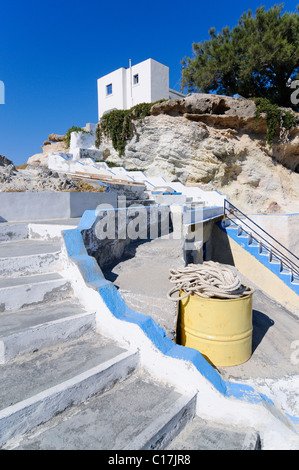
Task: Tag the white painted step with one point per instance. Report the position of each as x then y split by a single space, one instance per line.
201 435
47 229
137 413
51 229
13 231
25 257
20 292
28 330
37 387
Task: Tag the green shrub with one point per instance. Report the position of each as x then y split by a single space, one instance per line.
141 110
67 138
275 117
118 125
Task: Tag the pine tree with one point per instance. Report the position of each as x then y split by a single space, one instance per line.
257 58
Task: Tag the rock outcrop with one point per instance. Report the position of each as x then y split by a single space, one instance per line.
55 143
56 138
7 170
4 162
34 178
215 143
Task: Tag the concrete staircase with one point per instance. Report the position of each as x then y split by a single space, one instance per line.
66 386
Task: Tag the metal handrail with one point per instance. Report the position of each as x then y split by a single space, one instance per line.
289 263
260 228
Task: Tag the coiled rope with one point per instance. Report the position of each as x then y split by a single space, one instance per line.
209 279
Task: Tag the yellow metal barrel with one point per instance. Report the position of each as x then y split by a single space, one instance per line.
221 329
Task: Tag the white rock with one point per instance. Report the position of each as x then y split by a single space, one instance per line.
233 162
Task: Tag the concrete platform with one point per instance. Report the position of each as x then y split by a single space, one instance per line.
273 368
274 330
142 279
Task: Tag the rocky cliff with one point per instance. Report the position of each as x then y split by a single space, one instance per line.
215 142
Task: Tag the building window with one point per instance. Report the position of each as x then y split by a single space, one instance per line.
136 79
109 89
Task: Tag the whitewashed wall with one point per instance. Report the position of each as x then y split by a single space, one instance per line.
117 100
140 93
159 81
173 94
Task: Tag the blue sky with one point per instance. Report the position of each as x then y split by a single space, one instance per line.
51 54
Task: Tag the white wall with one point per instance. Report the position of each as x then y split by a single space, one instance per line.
117 100
159 81
173 94
50 205
283 227
80 140
141 93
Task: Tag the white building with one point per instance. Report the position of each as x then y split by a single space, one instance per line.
145 82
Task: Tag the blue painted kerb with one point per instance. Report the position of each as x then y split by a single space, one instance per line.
117 306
